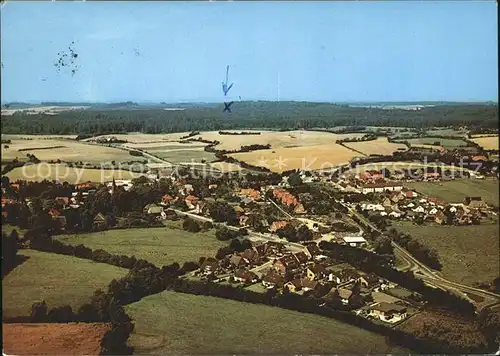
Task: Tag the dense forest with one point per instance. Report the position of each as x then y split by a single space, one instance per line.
245 115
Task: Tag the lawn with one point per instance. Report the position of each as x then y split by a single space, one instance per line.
160 246
63 173
455 191
57 279
176 323
469 254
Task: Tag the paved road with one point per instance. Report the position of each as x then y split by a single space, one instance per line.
432 277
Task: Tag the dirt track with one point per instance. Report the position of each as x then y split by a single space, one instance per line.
53 339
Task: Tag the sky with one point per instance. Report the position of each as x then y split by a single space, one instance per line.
304 51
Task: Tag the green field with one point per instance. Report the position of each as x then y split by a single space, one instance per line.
63 173
57 279
443 142
160 246
446 132
183 156
469 254
455 191
176 323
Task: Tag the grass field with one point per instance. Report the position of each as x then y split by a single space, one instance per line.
160 246
70 151
277 139
395 166
57 279
306 158
446 132
380 146
488 143
176 323
179 155
226 167
455 191
39 172
443 142
469 254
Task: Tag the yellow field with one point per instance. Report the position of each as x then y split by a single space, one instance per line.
71 151
226 167
488 143
137 137
277 139
380 146
163 145
37 137
62 173
304 158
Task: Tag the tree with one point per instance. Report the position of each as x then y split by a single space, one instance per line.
190 225
304 234
383 245
38 312
223 234
294 179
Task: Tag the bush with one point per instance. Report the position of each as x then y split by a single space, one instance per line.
191 225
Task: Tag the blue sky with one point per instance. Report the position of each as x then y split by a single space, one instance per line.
178 52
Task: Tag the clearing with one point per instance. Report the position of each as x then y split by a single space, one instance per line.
488 143
305 158
177 323
380 146
62 173
160 246
187 155
53 339
469 254
57 279
456 190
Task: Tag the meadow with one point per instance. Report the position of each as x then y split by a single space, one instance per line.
488 143
63 149
177 323
141 138
306 157
469 254
61 172
456 190
160 246
179 155
57 279
446 143
380 146
277 139
446 132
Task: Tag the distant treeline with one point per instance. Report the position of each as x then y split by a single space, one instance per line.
249 115
238 133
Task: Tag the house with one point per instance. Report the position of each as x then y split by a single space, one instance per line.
432 176
243 220
475 203
369 280
316 272
286 263
354 240
276 225
270 248
250 193
64 201
387 202
302 284
85 186
419 209
313 249
273 279
380 187
100 222
299 209
344 295
242 275
344 276
54 212
191 201
251 256
439 217
209 265
301 257
388 312
411 194
168 199
155 210
237 261
285 197
212 186
397 197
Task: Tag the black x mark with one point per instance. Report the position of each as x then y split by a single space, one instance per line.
227 106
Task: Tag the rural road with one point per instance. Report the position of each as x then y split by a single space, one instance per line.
432 277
